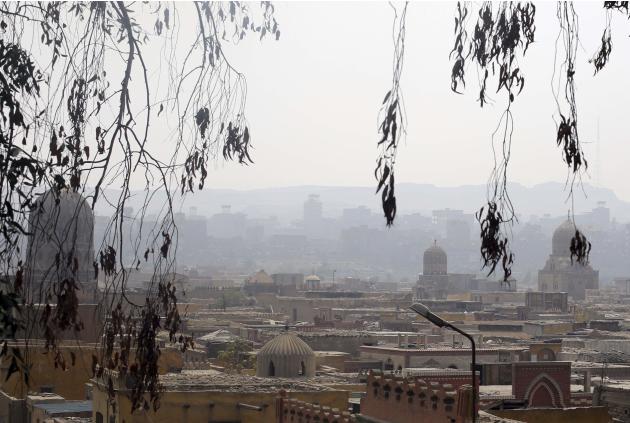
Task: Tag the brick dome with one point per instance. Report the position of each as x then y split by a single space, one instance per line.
286 355
434 261
561 240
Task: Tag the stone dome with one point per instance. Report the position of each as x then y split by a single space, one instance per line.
312 278
434 261
61 227
561 240
286 355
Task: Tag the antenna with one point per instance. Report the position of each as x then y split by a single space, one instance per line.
597 165
597 181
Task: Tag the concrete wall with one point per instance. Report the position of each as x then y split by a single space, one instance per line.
459 359
332 342
12 410
547 328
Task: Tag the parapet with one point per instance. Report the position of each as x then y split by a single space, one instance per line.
290 410
402 400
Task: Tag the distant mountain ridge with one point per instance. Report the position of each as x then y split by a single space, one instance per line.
287 202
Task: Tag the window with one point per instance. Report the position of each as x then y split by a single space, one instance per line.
99 417
302 370
272 369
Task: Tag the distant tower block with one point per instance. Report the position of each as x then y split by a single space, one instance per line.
313 209
61 243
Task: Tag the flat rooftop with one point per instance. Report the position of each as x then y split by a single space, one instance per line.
211 380
438 348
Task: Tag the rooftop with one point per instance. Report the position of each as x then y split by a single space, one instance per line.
439 348
65 407
209 380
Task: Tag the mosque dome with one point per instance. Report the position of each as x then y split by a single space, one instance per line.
561 240
60 244
286 355
434 261
312 278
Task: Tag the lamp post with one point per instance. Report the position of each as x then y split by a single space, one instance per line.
424 311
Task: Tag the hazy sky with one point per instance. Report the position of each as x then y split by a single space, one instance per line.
314 95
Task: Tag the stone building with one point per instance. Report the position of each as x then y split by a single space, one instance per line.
560 274
312 282
286 355
61 245
398 359
435 282
207 396
556 302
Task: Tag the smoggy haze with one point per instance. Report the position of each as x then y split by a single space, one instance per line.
313 100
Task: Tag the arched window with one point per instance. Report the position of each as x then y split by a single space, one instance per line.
272 369
546 354
302 370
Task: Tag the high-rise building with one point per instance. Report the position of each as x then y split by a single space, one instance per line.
312 210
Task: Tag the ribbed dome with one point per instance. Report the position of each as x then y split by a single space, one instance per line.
561 241
286 355
312 278
434 261
287 344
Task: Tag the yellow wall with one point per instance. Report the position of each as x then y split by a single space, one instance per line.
453 316
70 383
195 406
462 296
557 415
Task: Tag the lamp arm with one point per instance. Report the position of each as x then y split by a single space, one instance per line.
473 366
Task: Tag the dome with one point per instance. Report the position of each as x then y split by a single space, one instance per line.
312 278
286 355
61 227
434 261
260 277
561 240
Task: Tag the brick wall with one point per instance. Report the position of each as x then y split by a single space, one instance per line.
542 384
290 410
402 400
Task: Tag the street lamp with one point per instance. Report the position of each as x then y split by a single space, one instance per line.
424 311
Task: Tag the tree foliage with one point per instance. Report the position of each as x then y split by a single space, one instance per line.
82 112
